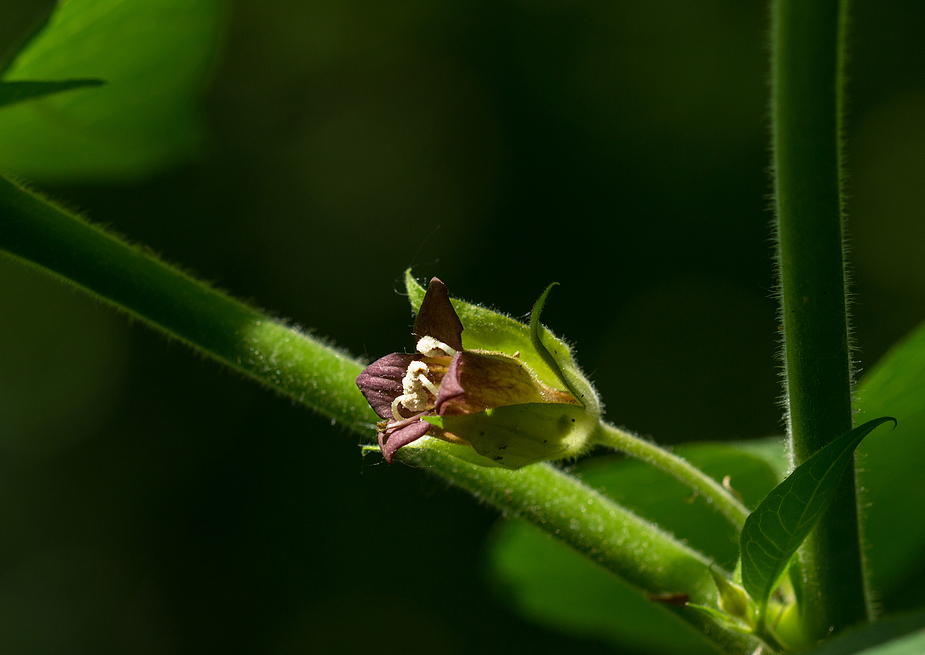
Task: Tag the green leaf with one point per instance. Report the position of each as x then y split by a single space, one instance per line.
776 529
889 472
900 635
154 56
553 585
14 92
773 451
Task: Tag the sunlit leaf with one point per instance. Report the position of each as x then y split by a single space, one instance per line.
774 531
153 56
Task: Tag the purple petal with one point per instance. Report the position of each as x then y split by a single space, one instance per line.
450 388
475 382
390 442
380 382
437 318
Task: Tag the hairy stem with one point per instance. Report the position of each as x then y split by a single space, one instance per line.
631 547
807 88
174 303
318 376
721 499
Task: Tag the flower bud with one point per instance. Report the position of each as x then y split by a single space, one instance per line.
521 403
732 599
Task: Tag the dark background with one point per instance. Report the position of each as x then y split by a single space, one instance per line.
152 501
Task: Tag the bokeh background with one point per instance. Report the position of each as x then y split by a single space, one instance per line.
152 501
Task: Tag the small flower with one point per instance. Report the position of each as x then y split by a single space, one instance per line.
489 401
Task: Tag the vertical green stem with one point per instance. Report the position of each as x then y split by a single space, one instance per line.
807 92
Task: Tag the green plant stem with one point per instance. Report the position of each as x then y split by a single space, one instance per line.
807 88
318 376
718 496
770 640
630 547
172 302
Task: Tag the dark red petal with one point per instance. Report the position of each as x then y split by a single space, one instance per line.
437 318
450 387
380 382
476 381
390 442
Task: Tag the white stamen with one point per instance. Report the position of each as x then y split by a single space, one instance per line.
430 347
395 413
415 386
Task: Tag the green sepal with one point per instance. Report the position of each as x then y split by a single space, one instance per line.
517 435
725 620
733 600
558 356
491 331
433 420
486 329
458 450
734 624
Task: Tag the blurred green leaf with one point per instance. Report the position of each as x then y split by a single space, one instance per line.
890 473
772 451
902 635
658 497
18 25
154 56
14 92
774 531
555 586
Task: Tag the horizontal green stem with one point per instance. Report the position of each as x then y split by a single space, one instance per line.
167 299
311 372
677 467
633 548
